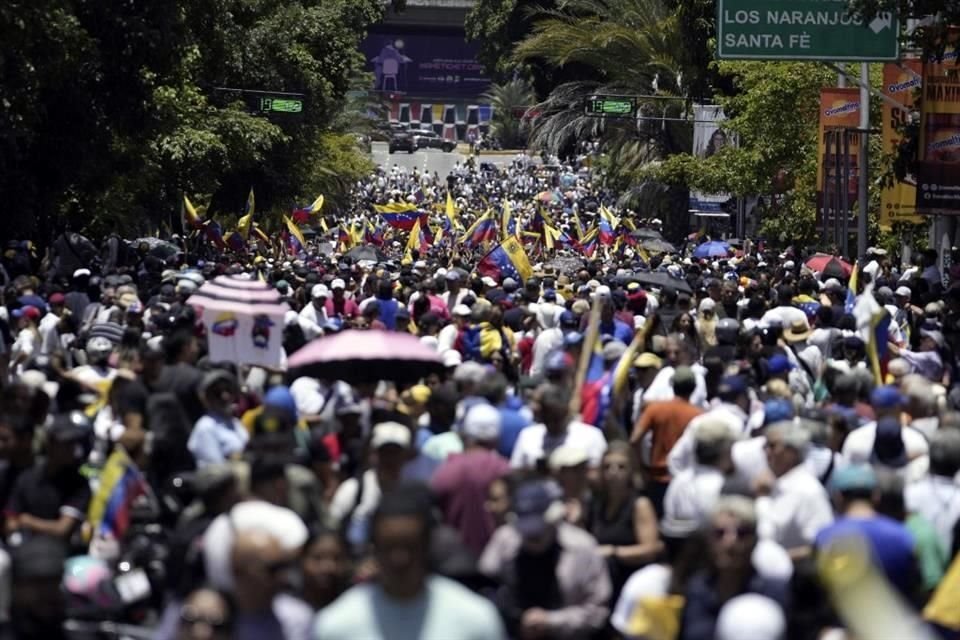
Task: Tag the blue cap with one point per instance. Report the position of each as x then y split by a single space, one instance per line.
279 397
530 504
887 397
733 384
888 446
854 477
779 364
573 338
549 294
558 360
777 410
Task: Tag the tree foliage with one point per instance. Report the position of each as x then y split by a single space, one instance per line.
109 110
507 99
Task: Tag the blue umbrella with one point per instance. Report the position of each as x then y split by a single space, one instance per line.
712 249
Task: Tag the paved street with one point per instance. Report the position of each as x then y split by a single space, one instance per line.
429 159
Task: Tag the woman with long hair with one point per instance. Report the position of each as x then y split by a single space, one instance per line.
623 520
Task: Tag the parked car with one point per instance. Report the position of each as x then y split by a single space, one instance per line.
430 140
402 142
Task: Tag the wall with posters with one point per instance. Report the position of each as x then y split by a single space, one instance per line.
901 82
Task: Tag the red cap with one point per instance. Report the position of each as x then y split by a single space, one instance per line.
57 298
29 311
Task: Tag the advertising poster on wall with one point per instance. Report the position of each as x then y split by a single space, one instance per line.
708 138
938 170
901 81
839 110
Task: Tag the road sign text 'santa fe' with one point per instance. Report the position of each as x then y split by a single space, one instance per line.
803 30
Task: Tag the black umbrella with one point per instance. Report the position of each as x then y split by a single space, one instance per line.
366 252
657 246
647 233
662 279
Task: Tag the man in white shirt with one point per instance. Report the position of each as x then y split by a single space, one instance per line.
314 315
858 447
784 314
556 429
447 337
554 324
797 506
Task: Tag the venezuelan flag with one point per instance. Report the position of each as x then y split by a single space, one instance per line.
214 233
590 243
295 241
851 299
878 343
188 216
246 221
121 483
507 259
451 212
402 220
260 234
484 229
303 214
394 207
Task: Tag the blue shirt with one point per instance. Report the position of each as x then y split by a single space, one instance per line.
388 312
891 545
512 422
618 330
214 439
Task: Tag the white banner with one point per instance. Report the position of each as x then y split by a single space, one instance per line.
708 139
244 339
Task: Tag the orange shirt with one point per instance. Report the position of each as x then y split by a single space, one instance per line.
666 420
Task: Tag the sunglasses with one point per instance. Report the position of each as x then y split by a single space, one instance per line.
190 616
739 532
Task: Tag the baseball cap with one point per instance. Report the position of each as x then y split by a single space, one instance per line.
80 273
886 397
558 360
550 295
462 310
453 275
733 384
778 364
338 284
613 350
29 311
509 284
573 338
708 304
57 298
488 281
649 361
569 319
853 477
452 358
567 456
777 410
903 292
534 508
319 291
394 433
482 422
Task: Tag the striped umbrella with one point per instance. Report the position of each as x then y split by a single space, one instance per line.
244 320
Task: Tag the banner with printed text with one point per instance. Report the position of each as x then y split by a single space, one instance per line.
839 110
938 169
708 138
901 82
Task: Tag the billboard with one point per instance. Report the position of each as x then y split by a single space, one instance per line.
424 64
938 170
708 139
900 83
839 110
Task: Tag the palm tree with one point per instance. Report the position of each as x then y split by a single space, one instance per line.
630 47
509 100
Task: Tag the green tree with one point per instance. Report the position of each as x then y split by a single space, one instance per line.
507 99
109 110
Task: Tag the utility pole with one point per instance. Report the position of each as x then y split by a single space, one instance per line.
864 160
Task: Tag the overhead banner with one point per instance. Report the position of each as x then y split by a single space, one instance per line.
898 202
938 170
708 139
839 111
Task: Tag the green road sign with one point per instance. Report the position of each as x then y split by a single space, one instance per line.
281 105
611 106
803 30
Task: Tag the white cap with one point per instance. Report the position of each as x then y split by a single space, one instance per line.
81 272
390 433
789 265
441 272
903 292
708 304
462 310
567 456
876 251
603 291
338 284
488 281
482 422
429 341
319 291
751 617
186 286
452 358
469 372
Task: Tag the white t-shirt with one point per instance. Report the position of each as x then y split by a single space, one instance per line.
858 446
535 443
796 510
784 316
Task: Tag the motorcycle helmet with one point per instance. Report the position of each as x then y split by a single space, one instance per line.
727 332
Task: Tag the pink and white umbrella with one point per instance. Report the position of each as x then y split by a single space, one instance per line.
367 356
244 320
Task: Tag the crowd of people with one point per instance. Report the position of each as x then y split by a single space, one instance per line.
599 457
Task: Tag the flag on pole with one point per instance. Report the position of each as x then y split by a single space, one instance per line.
507 259
188 216
246 221
295 241
303 214
484 229
401 220
395 207
451 212
851 299
579 226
